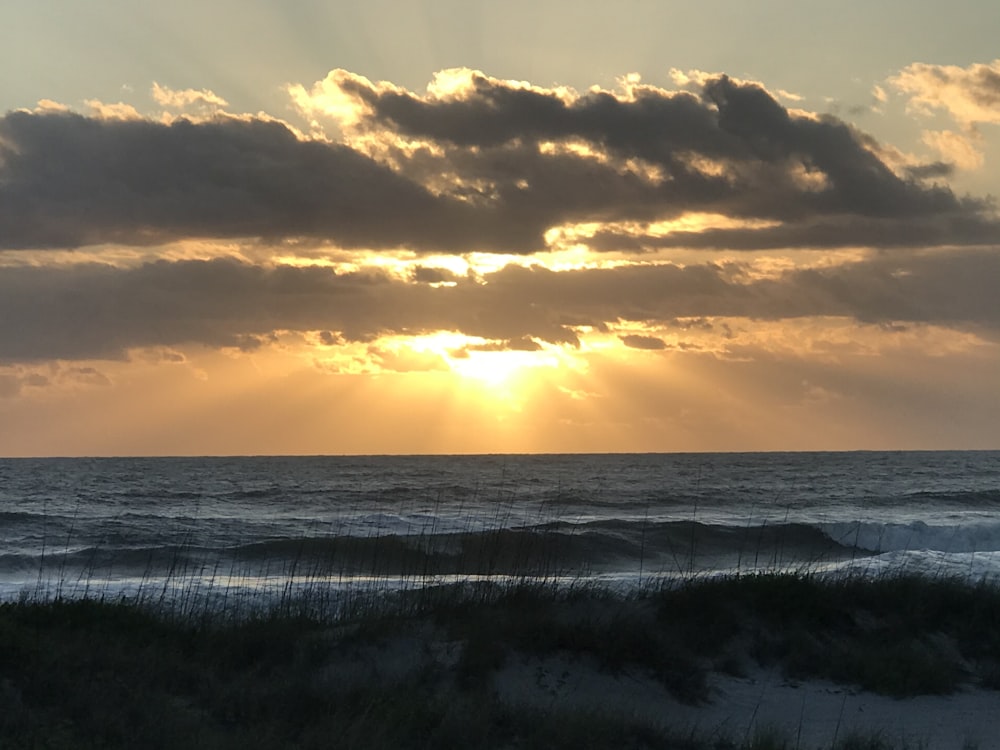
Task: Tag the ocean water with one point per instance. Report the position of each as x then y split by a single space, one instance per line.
221 528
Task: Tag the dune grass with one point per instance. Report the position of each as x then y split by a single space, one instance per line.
88 673
897 635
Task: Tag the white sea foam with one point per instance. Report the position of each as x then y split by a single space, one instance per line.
966 537
970 566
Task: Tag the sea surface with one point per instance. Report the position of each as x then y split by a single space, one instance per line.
204 528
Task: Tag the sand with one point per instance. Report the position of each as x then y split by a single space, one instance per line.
811 714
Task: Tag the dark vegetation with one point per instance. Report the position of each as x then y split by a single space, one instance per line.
417 670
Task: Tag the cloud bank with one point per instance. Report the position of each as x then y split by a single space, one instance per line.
474 164
101 311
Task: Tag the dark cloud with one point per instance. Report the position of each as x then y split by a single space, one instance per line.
85 376
251 342
14 381
933 169
835 232
687 324
429 275
986 90
489 180
521 344
943 288
736 151
650 343
68 180
97 311
329 338
35 380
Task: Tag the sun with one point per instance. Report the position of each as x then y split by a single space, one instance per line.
497 368
490 364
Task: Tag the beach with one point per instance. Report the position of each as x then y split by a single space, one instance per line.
711 664
682 601
800 714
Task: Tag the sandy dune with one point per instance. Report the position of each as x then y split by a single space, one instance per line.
814 713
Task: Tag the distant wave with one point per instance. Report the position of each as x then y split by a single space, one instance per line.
968 498
556 548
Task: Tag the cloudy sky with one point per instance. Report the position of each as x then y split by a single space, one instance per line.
252 226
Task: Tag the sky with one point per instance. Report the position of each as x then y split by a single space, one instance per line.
262 227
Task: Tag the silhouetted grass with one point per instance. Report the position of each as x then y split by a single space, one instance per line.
105 674
897 635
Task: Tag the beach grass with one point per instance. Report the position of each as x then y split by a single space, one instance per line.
419 668
896 635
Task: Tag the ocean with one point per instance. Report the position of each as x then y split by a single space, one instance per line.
199 530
